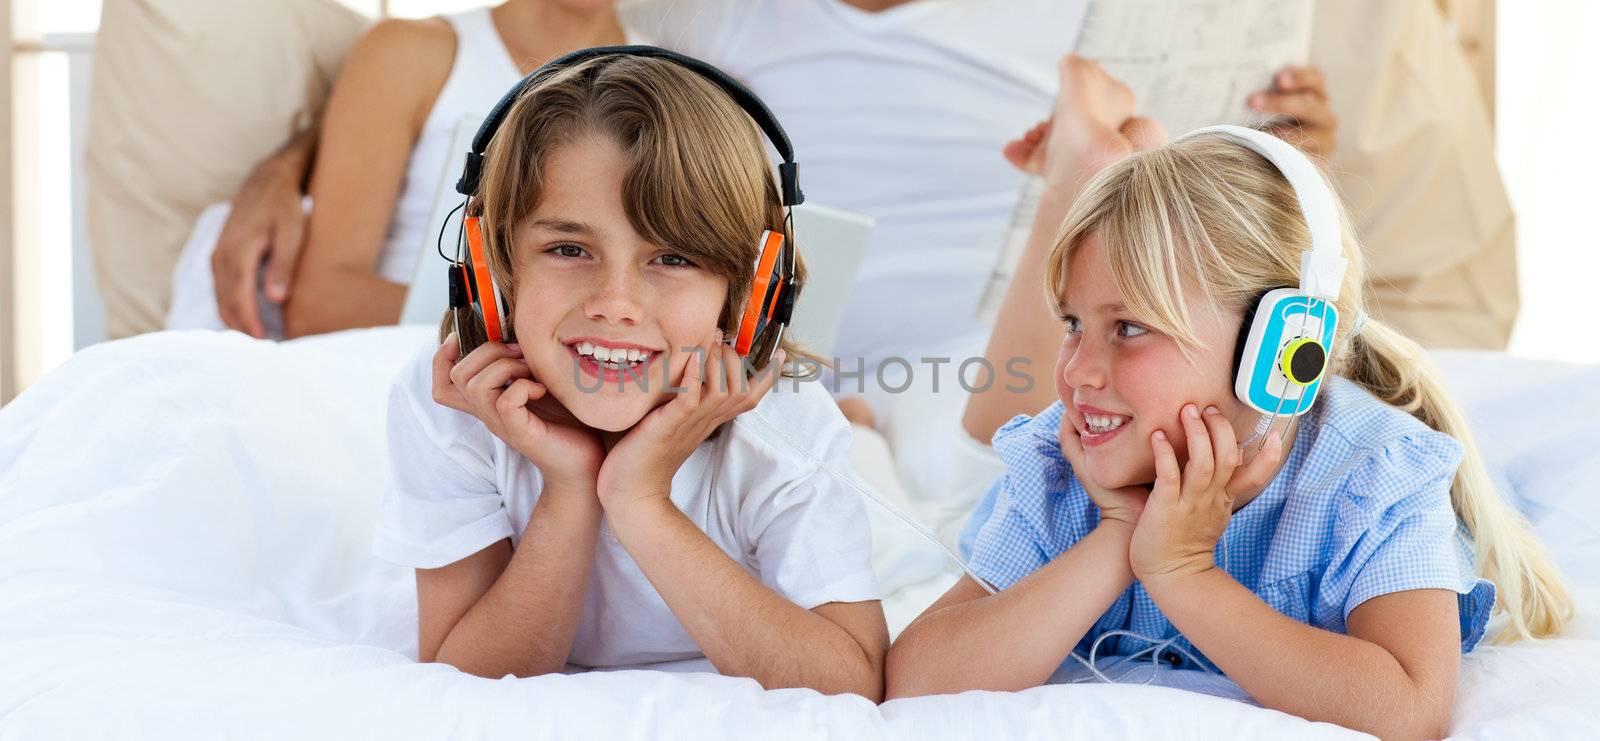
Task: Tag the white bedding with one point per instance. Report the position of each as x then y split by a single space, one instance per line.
184 524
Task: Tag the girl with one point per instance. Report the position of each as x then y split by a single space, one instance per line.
568 503
1328 575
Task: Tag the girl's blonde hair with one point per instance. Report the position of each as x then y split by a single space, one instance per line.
1206 214
698 181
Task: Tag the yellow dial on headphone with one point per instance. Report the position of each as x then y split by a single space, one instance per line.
1302 361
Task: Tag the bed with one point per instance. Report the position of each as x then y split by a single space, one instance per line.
185 516
184 529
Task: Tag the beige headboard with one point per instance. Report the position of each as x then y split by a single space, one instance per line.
187 95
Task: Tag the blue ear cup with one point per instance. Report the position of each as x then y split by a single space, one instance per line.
1282 356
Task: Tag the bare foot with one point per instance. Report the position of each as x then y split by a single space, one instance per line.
856 410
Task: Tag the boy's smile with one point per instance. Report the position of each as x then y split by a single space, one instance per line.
609 361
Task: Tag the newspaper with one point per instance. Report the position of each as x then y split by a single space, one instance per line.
1190 63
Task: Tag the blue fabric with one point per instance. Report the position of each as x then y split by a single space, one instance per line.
1360 509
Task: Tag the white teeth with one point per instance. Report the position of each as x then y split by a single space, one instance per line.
1099 423
612 357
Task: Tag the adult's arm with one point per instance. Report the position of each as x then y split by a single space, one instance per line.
374 115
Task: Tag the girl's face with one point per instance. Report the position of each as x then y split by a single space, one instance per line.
1132 380
603 316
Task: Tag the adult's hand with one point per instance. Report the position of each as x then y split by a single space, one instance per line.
265 225
1298 101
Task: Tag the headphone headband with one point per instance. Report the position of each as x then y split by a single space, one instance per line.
788 173
1321 267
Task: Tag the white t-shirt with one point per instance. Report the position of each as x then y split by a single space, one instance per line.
900 115
761 495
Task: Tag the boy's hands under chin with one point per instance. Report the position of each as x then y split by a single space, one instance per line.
521 413
639 467
1188 511
1123 504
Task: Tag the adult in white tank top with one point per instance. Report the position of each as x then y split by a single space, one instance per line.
382 151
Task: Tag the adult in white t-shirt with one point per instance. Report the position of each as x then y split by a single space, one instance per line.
900 114
761 491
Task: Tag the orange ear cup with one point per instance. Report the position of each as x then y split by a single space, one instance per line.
487 297
754 311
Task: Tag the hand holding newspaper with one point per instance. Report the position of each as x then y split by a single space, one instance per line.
1190 63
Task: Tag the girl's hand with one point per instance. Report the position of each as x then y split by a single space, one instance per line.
1093 125
495 384
641 465
1187 512
1299 98
1116 505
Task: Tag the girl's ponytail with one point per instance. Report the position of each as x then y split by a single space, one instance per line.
1529 590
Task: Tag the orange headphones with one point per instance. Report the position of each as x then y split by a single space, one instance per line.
477 303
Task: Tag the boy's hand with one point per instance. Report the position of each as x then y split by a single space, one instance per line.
1299 98
495 384
641 465
1187 512
1116 505
1093 125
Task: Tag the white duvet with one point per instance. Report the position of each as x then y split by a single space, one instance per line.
184 529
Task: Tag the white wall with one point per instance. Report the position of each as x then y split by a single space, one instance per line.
1547 115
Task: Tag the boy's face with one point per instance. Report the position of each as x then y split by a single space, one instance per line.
1112 365
597 307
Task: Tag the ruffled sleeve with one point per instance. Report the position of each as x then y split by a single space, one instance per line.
1395 530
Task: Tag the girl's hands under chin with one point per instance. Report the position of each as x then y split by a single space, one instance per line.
1116 505
495 384
1188 511
640 466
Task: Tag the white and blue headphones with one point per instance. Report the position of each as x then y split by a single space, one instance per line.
1286 337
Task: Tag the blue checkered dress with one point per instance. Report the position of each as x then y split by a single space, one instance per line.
1360 509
